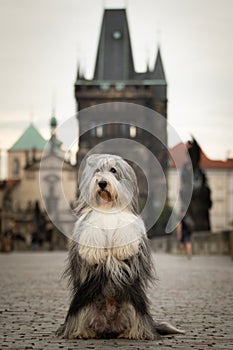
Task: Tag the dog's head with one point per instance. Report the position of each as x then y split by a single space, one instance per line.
108 182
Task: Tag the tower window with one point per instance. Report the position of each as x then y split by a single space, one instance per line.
124 129
104 86
16 167
119 86
93 130
133 131
96 131
99 131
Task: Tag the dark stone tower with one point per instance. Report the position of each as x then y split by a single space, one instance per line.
115 80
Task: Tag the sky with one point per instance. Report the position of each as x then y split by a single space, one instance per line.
43 41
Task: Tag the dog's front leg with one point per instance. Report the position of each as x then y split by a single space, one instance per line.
78 319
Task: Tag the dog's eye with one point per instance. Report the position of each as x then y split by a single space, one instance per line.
97 171
113 170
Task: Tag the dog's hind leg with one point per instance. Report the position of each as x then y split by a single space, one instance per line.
78 326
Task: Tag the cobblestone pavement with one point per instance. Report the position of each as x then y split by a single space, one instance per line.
196 295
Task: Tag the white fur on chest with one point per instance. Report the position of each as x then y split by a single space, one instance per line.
105 234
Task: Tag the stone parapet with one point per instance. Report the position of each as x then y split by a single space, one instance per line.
203 243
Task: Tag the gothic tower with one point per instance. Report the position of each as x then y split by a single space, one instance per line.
115 80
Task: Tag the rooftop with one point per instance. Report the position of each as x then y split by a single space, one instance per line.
30 139
178 152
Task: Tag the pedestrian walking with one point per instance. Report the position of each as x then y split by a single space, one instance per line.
184 234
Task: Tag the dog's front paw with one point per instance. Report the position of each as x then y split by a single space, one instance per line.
86 334
60 331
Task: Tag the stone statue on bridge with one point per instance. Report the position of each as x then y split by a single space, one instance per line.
201 197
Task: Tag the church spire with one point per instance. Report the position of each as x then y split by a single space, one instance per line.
54 142
114 59
53 124
80 72
158 72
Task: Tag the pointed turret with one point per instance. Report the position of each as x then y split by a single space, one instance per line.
80 72
158 72
54 142
114 59
78 77
53 124
147 65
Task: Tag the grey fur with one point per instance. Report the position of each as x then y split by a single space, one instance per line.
109 297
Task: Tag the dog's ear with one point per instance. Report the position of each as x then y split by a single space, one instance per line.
130 179
93 159
130 170
86 165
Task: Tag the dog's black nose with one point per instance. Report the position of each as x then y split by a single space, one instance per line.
102 184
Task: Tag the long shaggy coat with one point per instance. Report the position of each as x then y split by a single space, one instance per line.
110 266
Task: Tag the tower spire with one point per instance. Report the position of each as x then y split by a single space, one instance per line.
114 59
158 72
147 66
78 72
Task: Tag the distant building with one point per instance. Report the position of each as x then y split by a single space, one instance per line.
115 80
25 150
219 176
20 197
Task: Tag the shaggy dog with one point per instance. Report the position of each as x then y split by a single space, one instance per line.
110 263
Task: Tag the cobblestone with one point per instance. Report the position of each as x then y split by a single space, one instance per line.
196 295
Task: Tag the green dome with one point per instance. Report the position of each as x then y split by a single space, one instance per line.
53 122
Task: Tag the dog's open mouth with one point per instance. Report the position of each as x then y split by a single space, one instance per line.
105 195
